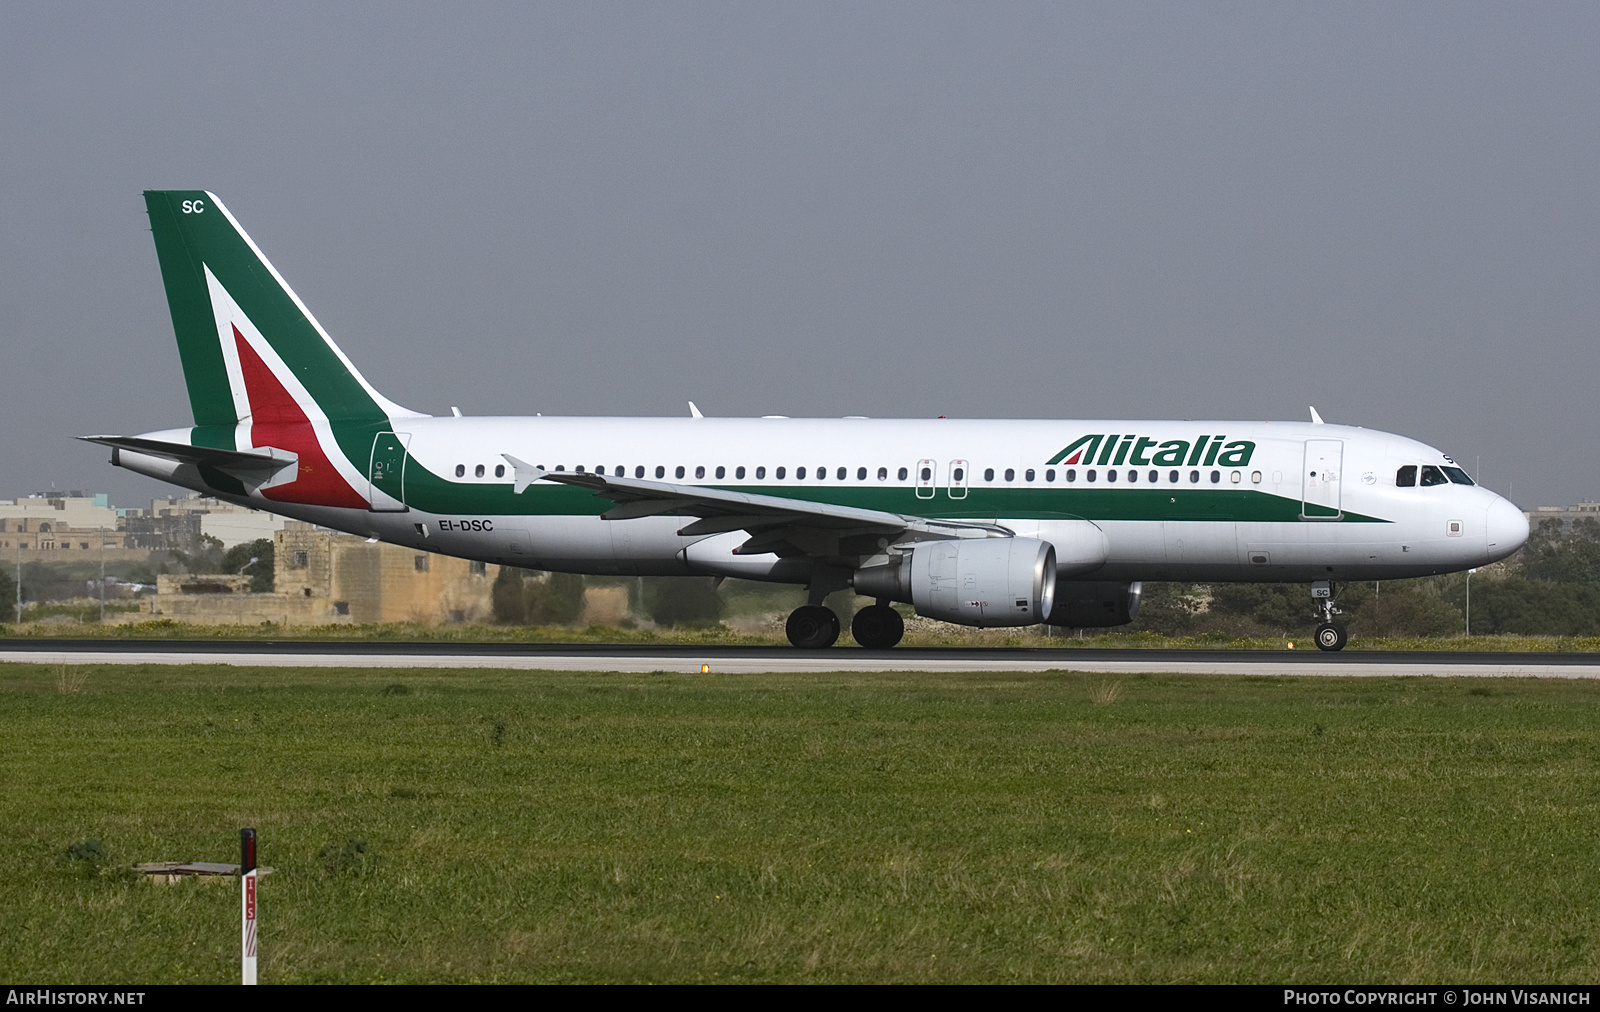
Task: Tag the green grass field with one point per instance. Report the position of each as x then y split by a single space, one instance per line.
572 827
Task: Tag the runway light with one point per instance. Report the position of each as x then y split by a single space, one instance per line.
705 669
1291 646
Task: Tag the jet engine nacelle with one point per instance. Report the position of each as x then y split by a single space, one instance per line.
1083 605
970 581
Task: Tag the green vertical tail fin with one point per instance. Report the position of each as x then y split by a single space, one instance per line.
234 316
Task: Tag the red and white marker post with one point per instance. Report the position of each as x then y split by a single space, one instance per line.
247 876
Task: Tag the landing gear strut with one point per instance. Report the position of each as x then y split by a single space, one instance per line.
878 627
1330 635
812 627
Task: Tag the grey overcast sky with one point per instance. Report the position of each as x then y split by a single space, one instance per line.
1062 210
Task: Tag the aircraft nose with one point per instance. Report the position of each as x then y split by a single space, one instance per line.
1506 528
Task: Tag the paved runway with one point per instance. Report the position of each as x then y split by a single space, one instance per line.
746 660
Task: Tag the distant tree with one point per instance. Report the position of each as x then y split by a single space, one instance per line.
1516 604
1561 556
681 600
550 599
1267 608
1172 609
8 594
252 559
510 607
555 600
1405 608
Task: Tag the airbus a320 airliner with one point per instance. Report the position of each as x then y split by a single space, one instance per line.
975 522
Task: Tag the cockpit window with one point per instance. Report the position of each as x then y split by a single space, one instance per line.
1433 476
1406 477
1458 476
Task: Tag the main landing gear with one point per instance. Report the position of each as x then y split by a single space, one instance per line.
876 627
812 627
1330 635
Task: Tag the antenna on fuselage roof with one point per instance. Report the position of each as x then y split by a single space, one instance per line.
694 412
1316 419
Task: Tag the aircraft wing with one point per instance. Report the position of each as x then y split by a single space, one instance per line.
775 523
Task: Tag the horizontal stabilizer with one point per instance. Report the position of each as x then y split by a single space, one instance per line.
262 460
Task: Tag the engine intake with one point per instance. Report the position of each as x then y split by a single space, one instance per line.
971 581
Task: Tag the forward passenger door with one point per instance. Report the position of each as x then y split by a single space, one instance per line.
1320 480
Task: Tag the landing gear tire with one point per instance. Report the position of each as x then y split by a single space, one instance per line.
812 627
878 627
1330 636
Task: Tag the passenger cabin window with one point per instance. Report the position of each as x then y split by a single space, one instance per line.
1433 476
799 473
499 470
661 472
761 472
700 472
861 474
738 472
902 474
1011 474
638 472
1406 477
779 474
722 472
1050 475
461 470
883 474
844 472
678 471
988 474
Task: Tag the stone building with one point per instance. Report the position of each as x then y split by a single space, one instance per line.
229 524
324 578
60 528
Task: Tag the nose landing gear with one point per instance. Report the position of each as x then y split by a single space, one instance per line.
1330 635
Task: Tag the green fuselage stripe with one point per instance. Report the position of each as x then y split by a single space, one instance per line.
429 492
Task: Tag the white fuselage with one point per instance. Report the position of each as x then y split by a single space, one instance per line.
1310 502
